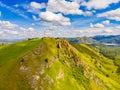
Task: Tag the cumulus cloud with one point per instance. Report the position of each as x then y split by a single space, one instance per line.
98 4
30 29
34 7
8 29
98 25
7 24
113 14
30 32
96 31
106 22
87 13
51 17
10 32
37 5
64 7
19 33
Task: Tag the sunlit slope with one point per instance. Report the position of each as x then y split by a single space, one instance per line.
54 64
9 55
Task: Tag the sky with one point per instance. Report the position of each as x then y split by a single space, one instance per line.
58 18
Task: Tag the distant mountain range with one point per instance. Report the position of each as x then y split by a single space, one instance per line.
10 40
112 39
85 40
109 40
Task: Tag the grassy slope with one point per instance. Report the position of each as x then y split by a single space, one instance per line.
9 55
104 67
112 52
52 64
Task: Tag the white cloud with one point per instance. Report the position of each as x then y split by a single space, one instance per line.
96 31
87 13
98 25
60 32
34 7
10 32
98 4
7 24
91 25
19 33
113 14
64 7
51 17
118 27
106 22
78 1
31 9
37 5
30 29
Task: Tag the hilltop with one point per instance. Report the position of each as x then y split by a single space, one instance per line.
55 64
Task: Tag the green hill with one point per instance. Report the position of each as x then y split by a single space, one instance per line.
55 64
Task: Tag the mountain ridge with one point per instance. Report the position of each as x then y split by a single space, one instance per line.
112 39
55 64
85 40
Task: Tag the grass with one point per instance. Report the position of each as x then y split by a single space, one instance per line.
9 55
57 65
13 51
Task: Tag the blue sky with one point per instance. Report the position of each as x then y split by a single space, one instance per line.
59 18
